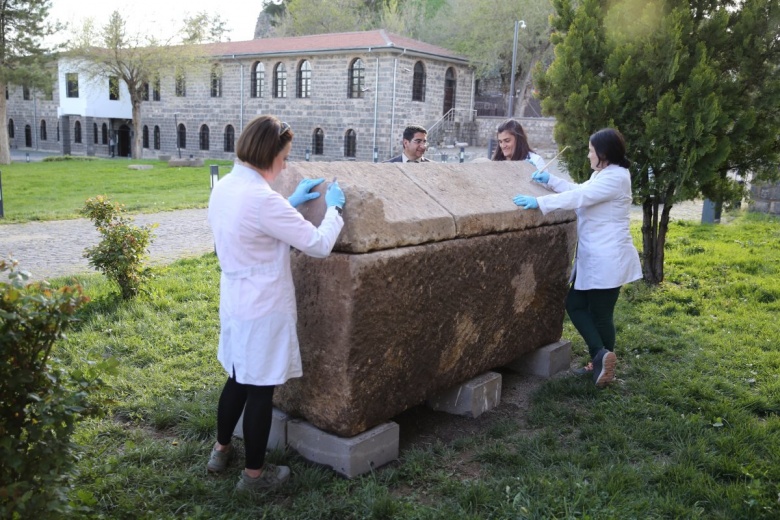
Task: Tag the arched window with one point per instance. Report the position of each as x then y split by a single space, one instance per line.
104 134
145 137
77 132
28 136
203 137
318 142
449 90
230 138
350 143
280 81
95 132
43 129
418 82
216 81
11 129
181 136
304 80
156 137
357 79
258 78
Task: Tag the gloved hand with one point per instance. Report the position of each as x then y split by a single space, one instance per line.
526 201
541 177
302 193
334 196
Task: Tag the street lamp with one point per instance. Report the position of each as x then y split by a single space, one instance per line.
376 154
214 175
518 25
462 154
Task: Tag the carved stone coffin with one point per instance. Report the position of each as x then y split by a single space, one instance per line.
436 277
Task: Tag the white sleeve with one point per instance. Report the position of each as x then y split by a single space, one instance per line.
599 189
283 222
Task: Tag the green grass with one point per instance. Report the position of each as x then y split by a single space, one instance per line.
57 190
690 430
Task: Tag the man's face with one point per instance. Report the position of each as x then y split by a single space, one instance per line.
415 148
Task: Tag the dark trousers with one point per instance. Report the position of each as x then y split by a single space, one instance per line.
257 404
591 312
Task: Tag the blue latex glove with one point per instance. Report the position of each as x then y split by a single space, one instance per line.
302 193
526 201
541 177
334 196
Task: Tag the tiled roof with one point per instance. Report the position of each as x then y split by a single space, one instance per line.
327 43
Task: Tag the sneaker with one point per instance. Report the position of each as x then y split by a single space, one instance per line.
587 369
604 367
273 476
218 461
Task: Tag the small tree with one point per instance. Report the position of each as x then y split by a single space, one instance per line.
122 252
23 57
40 403
140 61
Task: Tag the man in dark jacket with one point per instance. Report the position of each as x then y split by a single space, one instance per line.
415 143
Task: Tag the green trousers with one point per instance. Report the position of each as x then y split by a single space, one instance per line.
591 312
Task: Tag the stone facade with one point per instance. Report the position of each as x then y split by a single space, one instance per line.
377 118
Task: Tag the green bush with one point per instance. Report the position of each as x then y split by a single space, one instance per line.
39 403
121 253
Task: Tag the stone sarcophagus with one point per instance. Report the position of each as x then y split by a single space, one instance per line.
437 277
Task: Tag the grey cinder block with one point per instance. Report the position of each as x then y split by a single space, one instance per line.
545 361
349 456
278 437
472 398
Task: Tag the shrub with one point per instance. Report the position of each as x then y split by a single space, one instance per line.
121 253
39 403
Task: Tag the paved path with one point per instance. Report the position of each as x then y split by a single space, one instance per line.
55 248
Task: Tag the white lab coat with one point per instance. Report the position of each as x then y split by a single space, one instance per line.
606 256
254 228
536 160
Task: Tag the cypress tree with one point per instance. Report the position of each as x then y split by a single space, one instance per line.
693 86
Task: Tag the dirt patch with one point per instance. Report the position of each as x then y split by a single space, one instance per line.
421 426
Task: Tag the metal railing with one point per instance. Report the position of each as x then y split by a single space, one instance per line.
451 116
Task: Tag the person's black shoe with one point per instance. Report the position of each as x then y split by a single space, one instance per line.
604 368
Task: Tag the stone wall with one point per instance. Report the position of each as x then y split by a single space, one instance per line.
765 198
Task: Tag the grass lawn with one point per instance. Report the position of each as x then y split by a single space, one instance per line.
53 190
690 430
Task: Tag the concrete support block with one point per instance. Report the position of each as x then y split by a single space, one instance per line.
278 437
472 398
349 456
545 361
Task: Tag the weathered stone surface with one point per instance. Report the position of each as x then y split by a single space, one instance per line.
438 277
394 205
140 167
196 162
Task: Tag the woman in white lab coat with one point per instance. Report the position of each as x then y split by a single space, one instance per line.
253 229
606 257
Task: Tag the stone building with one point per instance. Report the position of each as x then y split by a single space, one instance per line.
347 96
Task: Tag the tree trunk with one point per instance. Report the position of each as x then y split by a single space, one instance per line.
654 229
5 145
137 130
